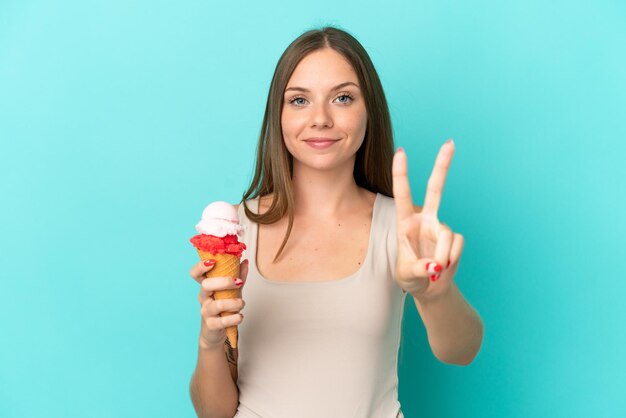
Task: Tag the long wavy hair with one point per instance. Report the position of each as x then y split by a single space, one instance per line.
274 164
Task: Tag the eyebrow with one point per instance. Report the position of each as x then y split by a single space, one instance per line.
337 87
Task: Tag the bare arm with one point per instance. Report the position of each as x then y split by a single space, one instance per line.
213 386
232 354
213 390
454 328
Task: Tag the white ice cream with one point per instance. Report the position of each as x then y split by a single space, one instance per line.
219 219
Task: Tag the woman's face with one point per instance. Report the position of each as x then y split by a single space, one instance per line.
324 116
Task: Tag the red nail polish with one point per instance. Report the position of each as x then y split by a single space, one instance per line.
432 267
448 264
209 263
400 149
433 277
238 282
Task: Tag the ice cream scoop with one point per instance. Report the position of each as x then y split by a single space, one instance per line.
219 219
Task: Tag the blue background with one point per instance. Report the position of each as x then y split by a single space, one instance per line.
116 122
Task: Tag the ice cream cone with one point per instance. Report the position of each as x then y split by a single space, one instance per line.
217 240
227 265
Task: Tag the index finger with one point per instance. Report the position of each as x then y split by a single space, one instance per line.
199 270
437 179
401 188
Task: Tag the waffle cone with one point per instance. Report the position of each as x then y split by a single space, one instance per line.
226 265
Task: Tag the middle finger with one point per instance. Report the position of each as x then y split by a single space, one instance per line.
214 284
437 179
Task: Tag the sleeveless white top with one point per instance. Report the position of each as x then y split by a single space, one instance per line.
324 349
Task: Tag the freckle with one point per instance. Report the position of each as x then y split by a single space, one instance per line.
338 224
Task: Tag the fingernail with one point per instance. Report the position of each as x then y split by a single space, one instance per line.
246 261
433 268
450 141
434 277
238 282
448 264
209 263
400 149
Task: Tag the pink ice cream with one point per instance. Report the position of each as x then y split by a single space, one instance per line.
218 230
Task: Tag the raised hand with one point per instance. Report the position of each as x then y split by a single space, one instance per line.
428 251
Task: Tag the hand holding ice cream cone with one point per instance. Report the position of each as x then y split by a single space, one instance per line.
218 246
214 325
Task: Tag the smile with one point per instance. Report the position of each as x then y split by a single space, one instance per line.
320 143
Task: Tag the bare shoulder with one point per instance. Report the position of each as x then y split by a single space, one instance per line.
265 202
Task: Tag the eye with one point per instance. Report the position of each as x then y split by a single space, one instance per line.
297 101
347 98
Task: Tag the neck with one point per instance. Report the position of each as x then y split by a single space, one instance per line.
325 194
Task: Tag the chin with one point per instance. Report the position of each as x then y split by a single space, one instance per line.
325 165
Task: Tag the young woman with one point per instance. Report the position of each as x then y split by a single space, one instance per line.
331 255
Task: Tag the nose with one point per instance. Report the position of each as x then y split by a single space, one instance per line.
321 117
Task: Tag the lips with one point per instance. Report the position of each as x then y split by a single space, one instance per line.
320 139
320 143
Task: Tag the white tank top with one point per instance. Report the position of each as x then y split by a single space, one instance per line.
324 349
